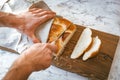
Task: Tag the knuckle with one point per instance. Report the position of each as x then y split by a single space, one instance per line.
46 45
38 10
45 12
46 16
36 44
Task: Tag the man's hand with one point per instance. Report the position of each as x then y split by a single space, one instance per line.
37 57
26 22
32 19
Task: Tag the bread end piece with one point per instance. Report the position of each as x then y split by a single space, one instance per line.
93 51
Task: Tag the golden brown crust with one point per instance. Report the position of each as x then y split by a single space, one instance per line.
55 32
61 21
63 40
95 53
65 35
58 27
58 43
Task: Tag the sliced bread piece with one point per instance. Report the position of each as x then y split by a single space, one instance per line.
93 49
82 44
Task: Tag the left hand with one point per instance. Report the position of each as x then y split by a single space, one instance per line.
31 19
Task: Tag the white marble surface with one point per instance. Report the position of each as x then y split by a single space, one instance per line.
2 3
103 15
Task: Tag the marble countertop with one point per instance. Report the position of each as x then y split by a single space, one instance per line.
102 15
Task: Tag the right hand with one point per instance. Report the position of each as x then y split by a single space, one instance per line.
38 56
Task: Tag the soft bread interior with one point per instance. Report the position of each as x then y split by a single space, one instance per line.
93 50
64 39
60 33
82 44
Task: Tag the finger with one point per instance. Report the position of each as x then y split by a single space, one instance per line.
37 45
33 9
45 18
34 38
52 47
44 13
37 11
48 52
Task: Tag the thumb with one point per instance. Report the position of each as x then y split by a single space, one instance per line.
34 38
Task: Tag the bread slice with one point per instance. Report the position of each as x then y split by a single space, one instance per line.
82 44
59 25
93 49
64 39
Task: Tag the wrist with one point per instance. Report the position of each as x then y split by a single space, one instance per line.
22 64
16 21
19 71
10 20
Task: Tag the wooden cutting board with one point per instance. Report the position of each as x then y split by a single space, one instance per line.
97 67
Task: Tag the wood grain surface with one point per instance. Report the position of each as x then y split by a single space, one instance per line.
95 68
115 68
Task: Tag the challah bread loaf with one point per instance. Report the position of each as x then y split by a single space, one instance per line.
63 40
59 25
64 27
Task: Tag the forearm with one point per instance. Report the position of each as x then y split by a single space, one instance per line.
9 20
18 71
